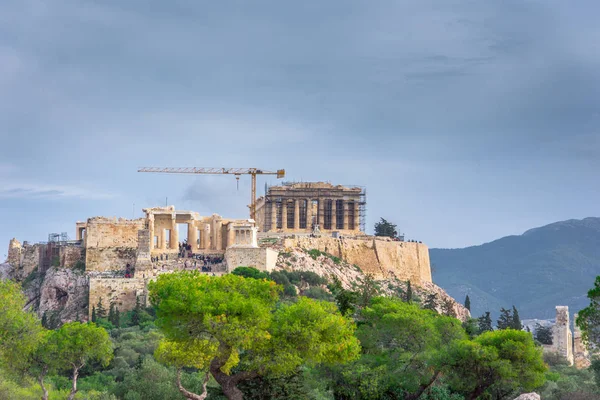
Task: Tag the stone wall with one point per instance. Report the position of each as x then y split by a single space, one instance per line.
14 253
581 356
111 244
30 259
383 258
69 255
121 291
264 259
562 338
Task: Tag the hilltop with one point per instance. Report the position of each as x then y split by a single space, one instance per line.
546 266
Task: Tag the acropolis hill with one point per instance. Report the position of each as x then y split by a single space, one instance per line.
113 259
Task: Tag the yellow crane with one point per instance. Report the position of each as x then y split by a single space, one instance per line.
220 171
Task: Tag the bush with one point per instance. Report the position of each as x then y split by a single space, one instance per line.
290 291
314 253
279 277
318 293
249 272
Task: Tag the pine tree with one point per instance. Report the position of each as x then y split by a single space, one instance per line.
100 310
45 319
516 324
431 302
485 322
117 322
135 315
94 315
468 303
111 312
448 308
543 334
506 320
409 293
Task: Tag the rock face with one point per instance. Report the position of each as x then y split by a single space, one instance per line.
529 396
328 266
64 295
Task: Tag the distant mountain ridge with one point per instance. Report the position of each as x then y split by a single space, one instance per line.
555 264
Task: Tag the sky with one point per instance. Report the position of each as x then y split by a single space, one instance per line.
465 120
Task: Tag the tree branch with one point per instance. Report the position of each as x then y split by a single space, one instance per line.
190 395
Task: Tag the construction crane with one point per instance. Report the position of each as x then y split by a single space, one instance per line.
220 171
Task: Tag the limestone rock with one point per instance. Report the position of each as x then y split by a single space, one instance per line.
64 293
529 396
6 271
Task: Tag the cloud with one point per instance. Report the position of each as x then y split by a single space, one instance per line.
37 191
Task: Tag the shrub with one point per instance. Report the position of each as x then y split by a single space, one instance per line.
314 253
318 293
290 291
250 272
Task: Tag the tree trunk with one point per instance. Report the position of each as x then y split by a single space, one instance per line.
228 382
41 382
190 395
74 387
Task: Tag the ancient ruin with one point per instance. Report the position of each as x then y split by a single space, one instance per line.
113 259
310 206
566 343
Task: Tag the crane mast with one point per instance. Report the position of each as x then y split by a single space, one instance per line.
221 171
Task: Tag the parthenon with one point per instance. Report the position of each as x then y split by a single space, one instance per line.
304 206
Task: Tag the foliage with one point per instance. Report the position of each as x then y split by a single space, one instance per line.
385 228
430 302
55 261
516 322
317 293
250 272
315 253
485 323
345 299
589 318
568 383
468 303
496 363
409 293
543 334
231 321
100 310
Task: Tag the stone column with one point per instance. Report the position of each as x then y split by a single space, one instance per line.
296 214
151 229
230 235
284 214
206 237
192 236
163 239
273 216
174 234
356 217
321 214
346 215
309 214
217 235
333 214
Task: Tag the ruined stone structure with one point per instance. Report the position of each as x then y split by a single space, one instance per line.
300 207
562 337
581 355
381 257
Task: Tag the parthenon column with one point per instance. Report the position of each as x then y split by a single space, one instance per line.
346 208
296 214
206 237
333 214
284 214
174 233
151 229
321 214
309 214
356 217
273 216
163 239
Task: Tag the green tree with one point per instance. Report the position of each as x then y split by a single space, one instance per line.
505 321
468 303
19 330
516 320
94 315
485 322
250 272
136 313
100 310
367 289
448 308
409 293
77 344
431 302
218 323
345 299
496 364
385 228
588 319
543 334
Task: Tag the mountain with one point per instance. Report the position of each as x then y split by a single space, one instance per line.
544 267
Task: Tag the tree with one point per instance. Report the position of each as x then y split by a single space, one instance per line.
137 311
505 321
485 322
400 344
94 315
409 293
468 303
385 228
588 319
345 299
250 272
77 344
368 289
516 321
431 302
543 334
221 323
100 310
448 308
495 363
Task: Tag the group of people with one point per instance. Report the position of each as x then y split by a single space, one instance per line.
159 258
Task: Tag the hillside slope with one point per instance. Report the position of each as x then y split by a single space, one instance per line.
552 265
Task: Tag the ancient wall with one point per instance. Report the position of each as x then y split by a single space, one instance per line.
30 259
111 244
121 291
264 259
562 338
14 253
69 255
383 258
